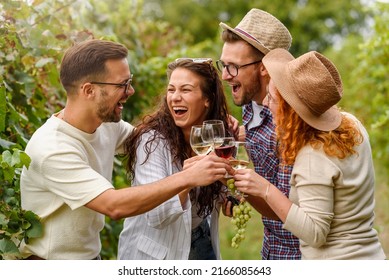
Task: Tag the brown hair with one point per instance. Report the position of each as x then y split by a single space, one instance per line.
231 37
163 126
86 60
293 134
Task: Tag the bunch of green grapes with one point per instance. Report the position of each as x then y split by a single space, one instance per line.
241 215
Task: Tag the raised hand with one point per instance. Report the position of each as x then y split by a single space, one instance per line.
204 170
250 182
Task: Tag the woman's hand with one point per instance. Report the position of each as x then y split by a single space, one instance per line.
249 182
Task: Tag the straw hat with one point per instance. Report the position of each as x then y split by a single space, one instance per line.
262 30
310 84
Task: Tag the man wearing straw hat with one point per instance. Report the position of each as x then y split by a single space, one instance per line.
242 69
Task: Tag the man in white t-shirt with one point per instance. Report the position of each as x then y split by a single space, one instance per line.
68 183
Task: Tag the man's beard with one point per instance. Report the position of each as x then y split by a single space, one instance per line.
249 92
108 116
105 113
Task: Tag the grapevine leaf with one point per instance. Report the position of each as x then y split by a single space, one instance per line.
36 229
8 173
6 144
3 220
7 157
15 160
7 246
25 159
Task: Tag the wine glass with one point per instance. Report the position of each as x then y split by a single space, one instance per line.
201 139
227 147
226 150
218 131
241 159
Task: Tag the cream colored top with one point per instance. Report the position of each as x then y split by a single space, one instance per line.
68 169
333 210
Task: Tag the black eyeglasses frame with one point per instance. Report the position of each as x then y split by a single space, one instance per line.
220 66
126 85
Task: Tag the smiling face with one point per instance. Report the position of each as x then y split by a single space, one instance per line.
111 98
185 99
246 86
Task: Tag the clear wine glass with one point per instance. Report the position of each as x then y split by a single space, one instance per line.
227 147
241 159
201 139
226 150
218 131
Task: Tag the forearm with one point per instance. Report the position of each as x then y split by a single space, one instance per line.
184 197
277 201
133 201
262 207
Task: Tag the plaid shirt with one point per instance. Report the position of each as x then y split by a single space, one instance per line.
278 244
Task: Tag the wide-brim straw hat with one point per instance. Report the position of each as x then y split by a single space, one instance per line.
310 84
262 30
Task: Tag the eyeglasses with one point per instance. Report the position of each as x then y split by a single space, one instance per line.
195 60
126 85
232 69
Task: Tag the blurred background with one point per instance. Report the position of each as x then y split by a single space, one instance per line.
34 35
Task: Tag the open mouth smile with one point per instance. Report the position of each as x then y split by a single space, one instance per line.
179 110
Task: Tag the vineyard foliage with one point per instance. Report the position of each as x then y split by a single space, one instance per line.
34 35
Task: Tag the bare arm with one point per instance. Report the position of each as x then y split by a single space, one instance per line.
134 201
262 207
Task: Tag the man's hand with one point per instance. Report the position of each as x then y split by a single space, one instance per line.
233 126
204 170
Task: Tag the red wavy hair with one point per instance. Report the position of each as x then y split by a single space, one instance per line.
293 133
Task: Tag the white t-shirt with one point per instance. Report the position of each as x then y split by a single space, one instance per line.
68 169
256 119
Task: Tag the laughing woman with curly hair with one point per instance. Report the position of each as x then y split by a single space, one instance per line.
186 226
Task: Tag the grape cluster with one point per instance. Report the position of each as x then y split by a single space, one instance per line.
241 215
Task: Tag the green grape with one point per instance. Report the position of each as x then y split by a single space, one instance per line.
241 214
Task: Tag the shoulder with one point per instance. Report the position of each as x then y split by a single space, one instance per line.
121 127
357 122
314 163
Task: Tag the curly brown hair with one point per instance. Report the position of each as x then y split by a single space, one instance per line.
293 133
162 125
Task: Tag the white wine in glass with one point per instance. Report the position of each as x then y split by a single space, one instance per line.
241 160
241 157
201 139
